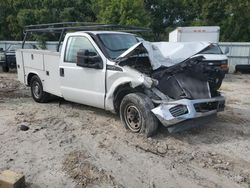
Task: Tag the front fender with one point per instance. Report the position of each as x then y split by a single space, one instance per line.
118 78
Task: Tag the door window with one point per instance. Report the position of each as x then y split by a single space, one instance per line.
76 44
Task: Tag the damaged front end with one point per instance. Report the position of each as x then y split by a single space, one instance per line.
185 90
192 88
170 113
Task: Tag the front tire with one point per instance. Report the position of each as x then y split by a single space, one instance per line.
136 115
37 92
5 68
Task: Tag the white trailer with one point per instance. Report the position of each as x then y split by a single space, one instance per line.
192 34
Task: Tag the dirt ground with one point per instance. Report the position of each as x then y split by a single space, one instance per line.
71 146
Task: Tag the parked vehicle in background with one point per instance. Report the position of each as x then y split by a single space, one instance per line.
192 34
2 56
8 57
142 81
209 34
244 69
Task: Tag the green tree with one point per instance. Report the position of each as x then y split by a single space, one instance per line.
233 16
165 15
236 26
123 12
4 13
18 13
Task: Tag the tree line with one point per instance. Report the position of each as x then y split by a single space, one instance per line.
162 16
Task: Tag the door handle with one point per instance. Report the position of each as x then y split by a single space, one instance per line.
61 72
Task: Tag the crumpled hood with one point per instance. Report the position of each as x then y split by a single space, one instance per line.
166 53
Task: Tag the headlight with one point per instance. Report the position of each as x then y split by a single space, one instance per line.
149 82
224 65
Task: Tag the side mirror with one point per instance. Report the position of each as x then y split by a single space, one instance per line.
89 59
226 51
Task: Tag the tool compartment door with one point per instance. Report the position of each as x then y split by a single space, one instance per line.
51 79
20 67
33 59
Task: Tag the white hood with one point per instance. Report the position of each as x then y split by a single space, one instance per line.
167 53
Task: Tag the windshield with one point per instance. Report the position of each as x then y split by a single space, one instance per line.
212 49
116 44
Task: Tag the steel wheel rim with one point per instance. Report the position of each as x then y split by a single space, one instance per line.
133 118
36 89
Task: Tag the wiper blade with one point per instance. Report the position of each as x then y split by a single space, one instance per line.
118 50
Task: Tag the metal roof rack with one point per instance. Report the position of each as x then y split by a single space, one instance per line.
64 27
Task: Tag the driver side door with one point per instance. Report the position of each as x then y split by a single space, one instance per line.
82 84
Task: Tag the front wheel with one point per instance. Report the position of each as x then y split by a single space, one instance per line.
37 90
5 68
136 115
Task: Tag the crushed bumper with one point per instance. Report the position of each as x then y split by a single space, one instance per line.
174 112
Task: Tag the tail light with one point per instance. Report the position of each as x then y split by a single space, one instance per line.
224 66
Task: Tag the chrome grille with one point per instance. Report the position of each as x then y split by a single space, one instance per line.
178 110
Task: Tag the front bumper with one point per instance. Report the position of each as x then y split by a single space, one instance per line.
174 112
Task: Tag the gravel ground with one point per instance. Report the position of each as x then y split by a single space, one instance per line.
71 145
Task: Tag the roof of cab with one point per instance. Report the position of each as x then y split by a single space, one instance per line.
104 32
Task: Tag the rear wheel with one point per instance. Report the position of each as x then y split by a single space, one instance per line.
37 90
5 68
136 115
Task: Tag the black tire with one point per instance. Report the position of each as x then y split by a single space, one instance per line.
5 68
136 115
244 69
37 92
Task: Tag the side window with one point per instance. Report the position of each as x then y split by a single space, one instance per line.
76 44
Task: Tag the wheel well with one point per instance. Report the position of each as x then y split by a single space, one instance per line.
29 77
121 92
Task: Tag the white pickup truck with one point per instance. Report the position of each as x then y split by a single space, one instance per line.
146 83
